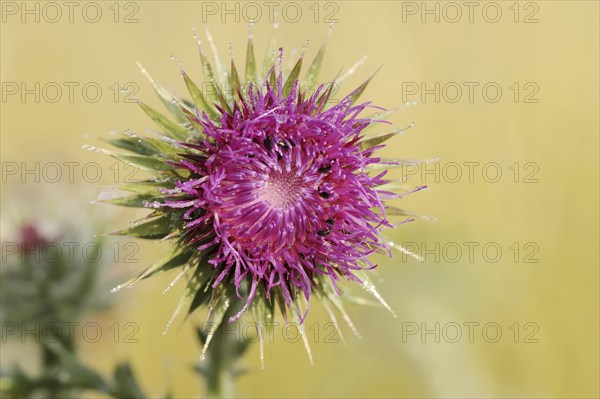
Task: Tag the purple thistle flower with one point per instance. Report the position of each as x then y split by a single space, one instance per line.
279 190
269 194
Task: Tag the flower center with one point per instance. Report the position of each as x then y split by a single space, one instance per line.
282 189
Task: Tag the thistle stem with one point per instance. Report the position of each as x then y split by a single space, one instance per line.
219 378
219 366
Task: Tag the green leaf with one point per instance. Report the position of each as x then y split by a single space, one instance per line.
393 211
327 295
167 150
218 93
360 89
195 122
324 97
270 57
169 128
273 79
144 162
250 62
136 201
217 307
312 73
263 314
157 228
165 96
203 272
148 187
293 76
193 289
368 286
80 375
383 115
374 141
235 79
125 384
394 185
177 255
198 98
133 145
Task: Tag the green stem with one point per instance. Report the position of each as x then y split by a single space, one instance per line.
219 366
219 376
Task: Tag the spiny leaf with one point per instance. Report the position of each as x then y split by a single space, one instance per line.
250 62
218 64
302 329
217 307
392 163
324 97
354 96
125 384
79 374
169 128
393 211
202 294
148 187
293 76
368 286
404 251
381 116
333 318
327 294
273 79
153 229
144 162
133 145
177 255
235 79
209 76
194 122
372 142
136 201
194 286
164 95
394 185
198 97
270 57
312 73
263 316
167 150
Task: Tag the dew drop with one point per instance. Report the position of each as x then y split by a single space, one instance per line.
94 149
196 35
250 28
304 48
428 218
130 133
177 62
117 288
167 327
330 30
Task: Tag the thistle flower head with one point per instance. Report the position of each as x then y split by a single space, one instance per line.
269 192
278 191
45 276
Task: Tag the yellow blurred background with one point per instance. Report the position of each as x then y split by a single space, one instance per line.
541 293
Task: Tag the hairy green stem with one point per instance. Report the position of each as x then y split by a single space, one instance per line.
219 366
